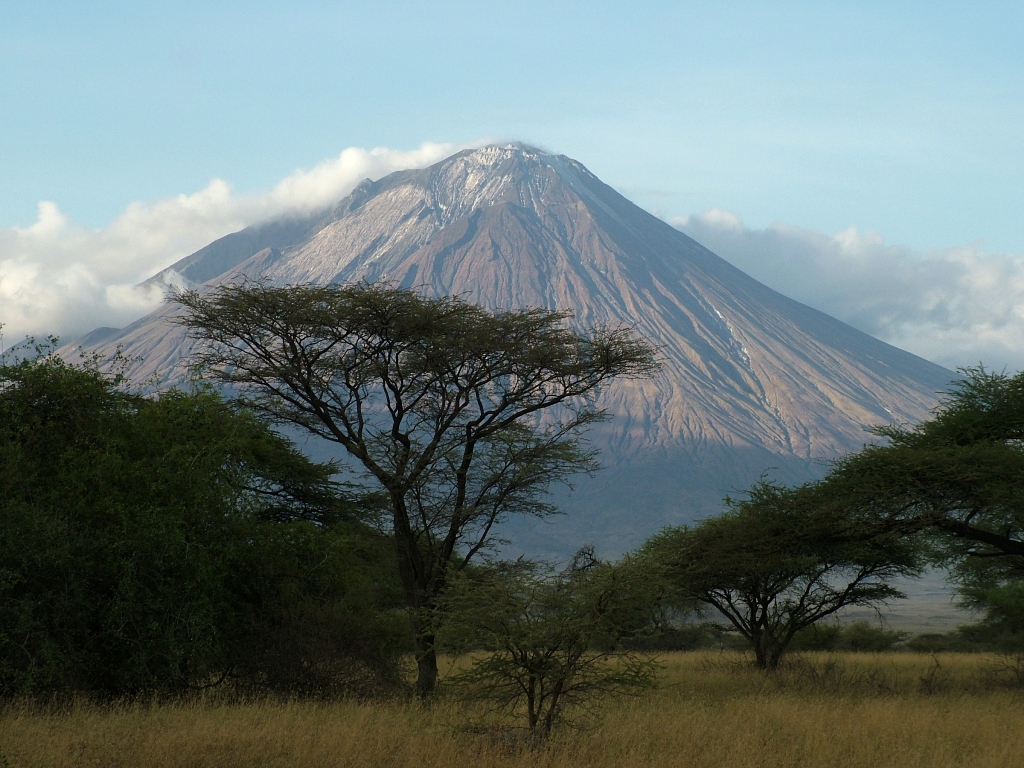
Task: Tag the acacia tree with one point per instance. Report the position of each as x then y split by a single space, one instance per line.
955 480
440 401
776 563
960 473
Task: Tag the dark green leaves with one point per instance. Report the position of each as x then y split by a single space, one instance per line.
153 544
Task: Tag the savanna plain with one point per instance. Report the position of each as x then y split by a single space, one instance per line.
709 709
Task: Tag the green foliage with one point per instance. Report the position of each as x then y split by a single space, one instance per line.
323 610
962 640
956 483
777 563
551 640
858 636
959 475
154 544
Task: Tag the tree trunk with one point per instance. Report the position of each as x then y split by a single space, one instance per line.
768 653
426 665
531 709
412 571
757 640
760 658
423 639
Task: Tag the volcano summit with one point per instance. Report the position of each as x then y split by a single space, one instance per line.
752 381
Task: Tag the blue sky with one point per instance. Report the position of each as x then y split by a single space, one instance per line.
901 119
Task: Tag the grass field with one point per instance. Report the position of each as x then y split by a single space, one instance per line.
849 710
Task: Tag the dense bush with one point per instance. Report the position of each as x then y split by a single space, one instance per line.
856 636
168 543
685 636
326 613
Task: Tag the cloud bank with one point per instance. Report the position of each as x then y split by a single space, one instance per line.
63 279
954 306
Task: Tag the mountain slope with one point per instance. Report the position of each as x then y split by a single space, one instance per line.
751 380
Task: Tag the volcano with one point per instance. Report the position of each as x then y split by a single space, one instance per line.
752 383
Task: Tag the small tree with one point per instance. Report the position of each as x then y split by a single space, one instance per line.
438 401
776 563
552 638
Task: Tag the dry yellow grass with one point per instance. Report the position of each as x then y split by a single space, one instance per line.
850 711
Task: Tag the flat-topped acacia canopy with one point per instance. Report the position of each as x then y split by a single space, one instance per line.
439 400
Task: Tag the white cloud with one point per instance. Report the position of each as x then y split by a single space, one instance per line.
955 306
59 278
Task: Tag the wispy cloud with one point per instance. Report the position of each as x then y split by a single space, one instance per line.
59 278
955 306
